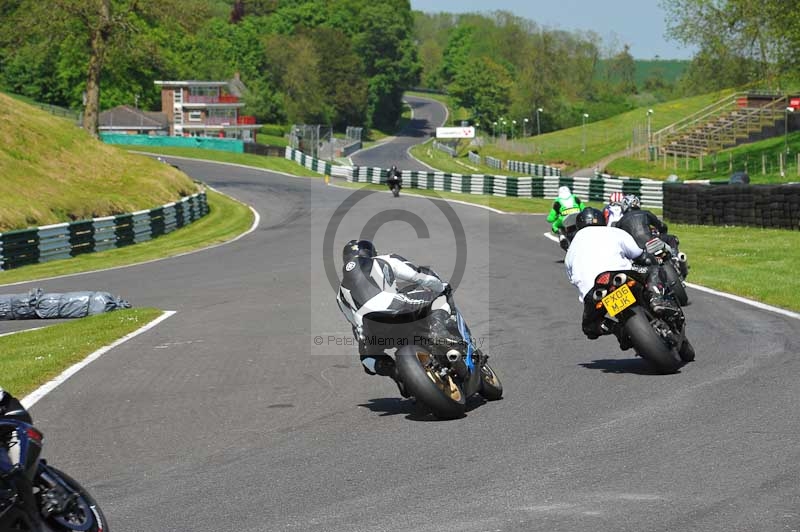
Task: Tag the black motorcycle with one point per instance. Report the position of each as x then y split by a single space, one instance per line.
395 183
442 376
35 496
661 340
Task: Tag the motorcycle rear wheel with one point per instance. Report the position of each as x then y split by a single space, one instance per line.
649 345
443 396
675 284
85 510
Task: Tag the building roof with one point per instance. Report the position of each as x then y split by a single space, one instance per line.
127 117
193 83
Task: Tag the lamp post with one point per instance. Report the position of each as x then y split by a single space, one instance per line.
538 127
585 116
786 130
513 124
494 129
649 136
524 127
502 126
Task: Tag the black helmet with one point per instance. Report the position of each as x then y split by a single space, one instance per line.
589 216
358 248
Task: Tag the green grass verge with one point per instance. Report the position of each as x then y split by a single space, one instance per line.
278 164
581 146
444 162
759 264
226 219
31 358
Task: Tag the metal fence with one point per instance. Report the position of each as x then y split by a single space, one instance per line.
65 240
592 189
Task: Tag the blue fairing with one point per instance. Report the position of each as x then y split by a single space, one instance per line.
462 328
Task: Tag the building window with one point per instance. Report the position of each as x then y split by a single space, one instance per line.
195 116
211 92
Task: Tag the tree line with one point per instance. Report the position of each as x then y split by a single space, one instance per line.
347 62
304 61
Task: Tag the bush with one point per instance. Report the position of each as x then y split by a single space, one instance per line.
274 130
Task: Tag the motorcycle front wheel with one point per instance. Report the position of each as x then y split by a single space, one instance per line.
649 345
675 284
83 514
419 371
491 387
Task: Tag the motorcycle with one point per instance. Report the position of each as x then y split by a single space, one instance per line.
661 340
567 230
440 375
395 185
35 496
674 266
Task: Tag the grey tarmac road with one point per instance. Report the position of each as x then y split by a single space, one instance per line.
426 116
228 416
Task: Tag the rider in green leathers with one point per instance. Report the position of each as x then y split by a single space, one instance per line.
565 204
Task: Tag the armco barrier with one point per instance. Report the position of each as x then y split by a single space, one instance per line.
592 189
65 240
533 169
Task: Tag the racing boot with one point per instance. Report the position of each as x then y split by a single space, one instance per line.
386 366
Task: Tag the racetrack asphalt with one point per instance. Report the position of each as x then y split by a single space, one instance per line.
228 416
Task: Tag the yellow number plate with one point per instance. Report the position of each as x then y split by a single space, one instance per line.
619 300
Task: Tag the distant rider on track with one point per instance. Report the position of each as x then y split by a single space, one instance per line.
565 204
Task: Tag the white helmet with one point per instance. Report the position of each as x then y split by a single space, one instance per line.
564 192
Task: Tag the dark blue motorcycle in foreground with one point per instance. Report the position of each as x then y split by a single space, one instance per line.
35 496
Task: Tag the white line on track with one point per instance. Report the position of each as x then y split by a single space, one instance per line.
24 330
31 399
746 301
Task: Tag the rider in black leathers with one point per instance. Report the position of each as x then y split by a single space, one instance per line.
643 225
394 176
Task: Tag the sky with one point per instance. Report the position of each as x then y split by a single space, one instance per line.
639 23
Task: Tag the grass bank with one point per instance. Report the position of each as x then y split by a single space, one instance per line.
52 171
31 358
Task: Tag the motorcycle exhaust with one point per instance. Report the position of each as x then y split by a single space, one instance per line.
599 294
453 356
682 256
619 279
